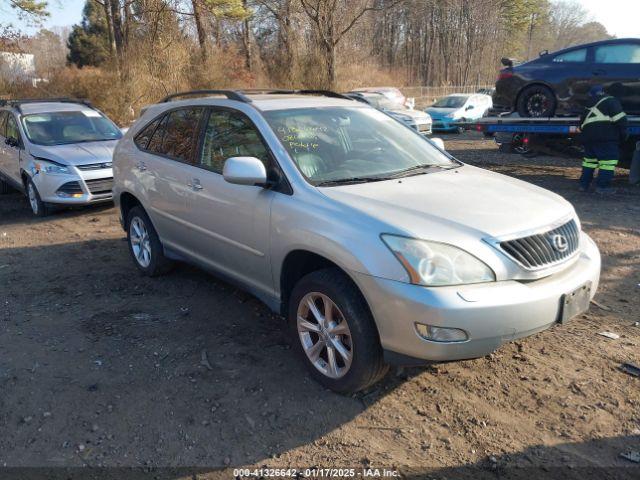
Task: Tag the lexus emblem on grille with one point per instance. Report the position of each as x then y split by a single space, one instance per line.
559 243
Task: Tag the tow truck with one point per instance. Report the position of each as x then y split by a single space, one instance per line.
554 135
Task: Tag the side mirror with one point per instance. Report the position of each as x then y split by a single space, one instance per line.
438 143
244 171
469 107
12 142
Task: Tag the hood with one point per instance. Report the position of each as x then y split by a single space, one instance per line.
414 114
439 112
76 153
467 199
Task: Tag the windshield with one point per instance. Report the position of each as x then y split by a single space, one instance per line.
58 128
349 144
451 102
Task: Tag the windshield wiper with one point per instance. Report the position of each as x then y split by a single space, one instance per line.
351 180
417 169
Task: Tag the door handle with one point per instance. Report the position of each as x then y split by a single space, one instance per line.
141 166
195 185
599 71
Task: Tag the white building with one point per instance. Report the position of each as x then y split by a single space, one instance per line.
17 66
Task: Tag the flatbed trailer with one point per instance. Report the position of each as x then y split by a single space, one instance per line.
553 134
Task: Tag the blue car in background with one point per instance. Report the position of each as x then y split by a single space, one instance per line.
458 107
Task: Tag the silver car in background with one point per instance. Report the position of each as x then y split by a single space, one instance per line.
416 119
58 152
377 246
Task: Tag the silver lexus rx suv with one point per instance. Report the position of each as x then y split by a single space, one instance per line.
57 151
376 245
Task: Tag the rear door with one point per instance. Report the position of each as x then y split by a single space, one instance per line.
3 161
161 170
228 225
618 65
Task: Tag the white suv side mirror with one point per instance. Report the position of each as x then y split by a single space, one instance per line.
244 171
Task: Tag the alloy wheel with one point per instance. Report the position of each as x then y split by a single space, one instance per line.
140 242
324 335
537 104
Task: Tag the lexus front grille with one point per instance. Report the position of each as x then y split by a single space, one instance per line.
544 249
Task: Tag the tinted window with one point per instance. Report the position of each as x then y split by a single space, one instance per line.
12 128
181 133
451 102
579 55
3 120
620 53
155 144
142 139
230 134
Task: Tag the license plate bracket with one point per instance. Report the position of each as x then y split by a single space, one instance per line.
576 302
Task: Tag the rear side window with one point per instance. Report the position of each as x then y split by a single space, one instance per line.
579 55
12 128
230 134
142 139
155 143
3 121
181 133
620 53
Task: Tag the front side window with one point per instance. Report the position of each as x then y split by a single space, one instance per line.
344 144
142 139
620 53
230 134
579 55
59 128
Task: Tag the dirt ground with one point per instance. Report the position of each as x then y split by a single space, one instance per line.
100 366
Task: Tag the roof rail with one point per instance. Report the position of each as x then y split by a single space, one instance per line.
16 102
281 91
230 94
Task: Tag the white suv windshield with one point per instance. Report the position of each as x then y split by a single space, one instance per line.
350 144
58 128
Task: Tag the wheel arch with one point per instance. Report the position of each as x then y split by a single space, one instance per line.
300 262
127 201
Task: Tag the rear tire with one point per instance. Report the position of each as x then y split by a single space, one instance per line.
350 332
144 244
38 207
536 101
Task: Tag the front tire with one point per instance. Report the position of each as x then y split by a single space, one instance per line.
144 244
536 101
38 207
334 332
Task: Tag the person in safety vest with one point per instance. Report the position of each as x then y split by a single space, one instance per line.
603 127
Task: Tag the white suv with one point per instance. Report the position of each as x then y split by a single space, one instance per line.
57 151
375 244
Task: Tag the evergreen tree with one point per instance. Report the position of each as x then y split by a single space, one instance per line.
89 42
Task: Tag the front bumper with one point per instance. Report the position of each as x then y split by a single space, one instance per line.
92 186
490 313
444 125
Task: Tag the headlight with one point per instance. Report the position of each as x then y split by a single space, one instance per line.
42 166
437 264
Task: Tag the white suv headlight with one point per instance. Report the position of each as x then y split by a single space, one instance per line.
437 264
42 166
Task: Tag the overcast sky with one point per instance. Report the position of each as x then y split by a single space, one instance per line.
620 17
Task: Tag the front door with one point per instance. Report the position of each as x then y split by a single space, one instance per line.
11 153
229 224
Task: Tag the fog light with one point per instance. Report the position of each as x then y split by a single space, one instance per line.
441 334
